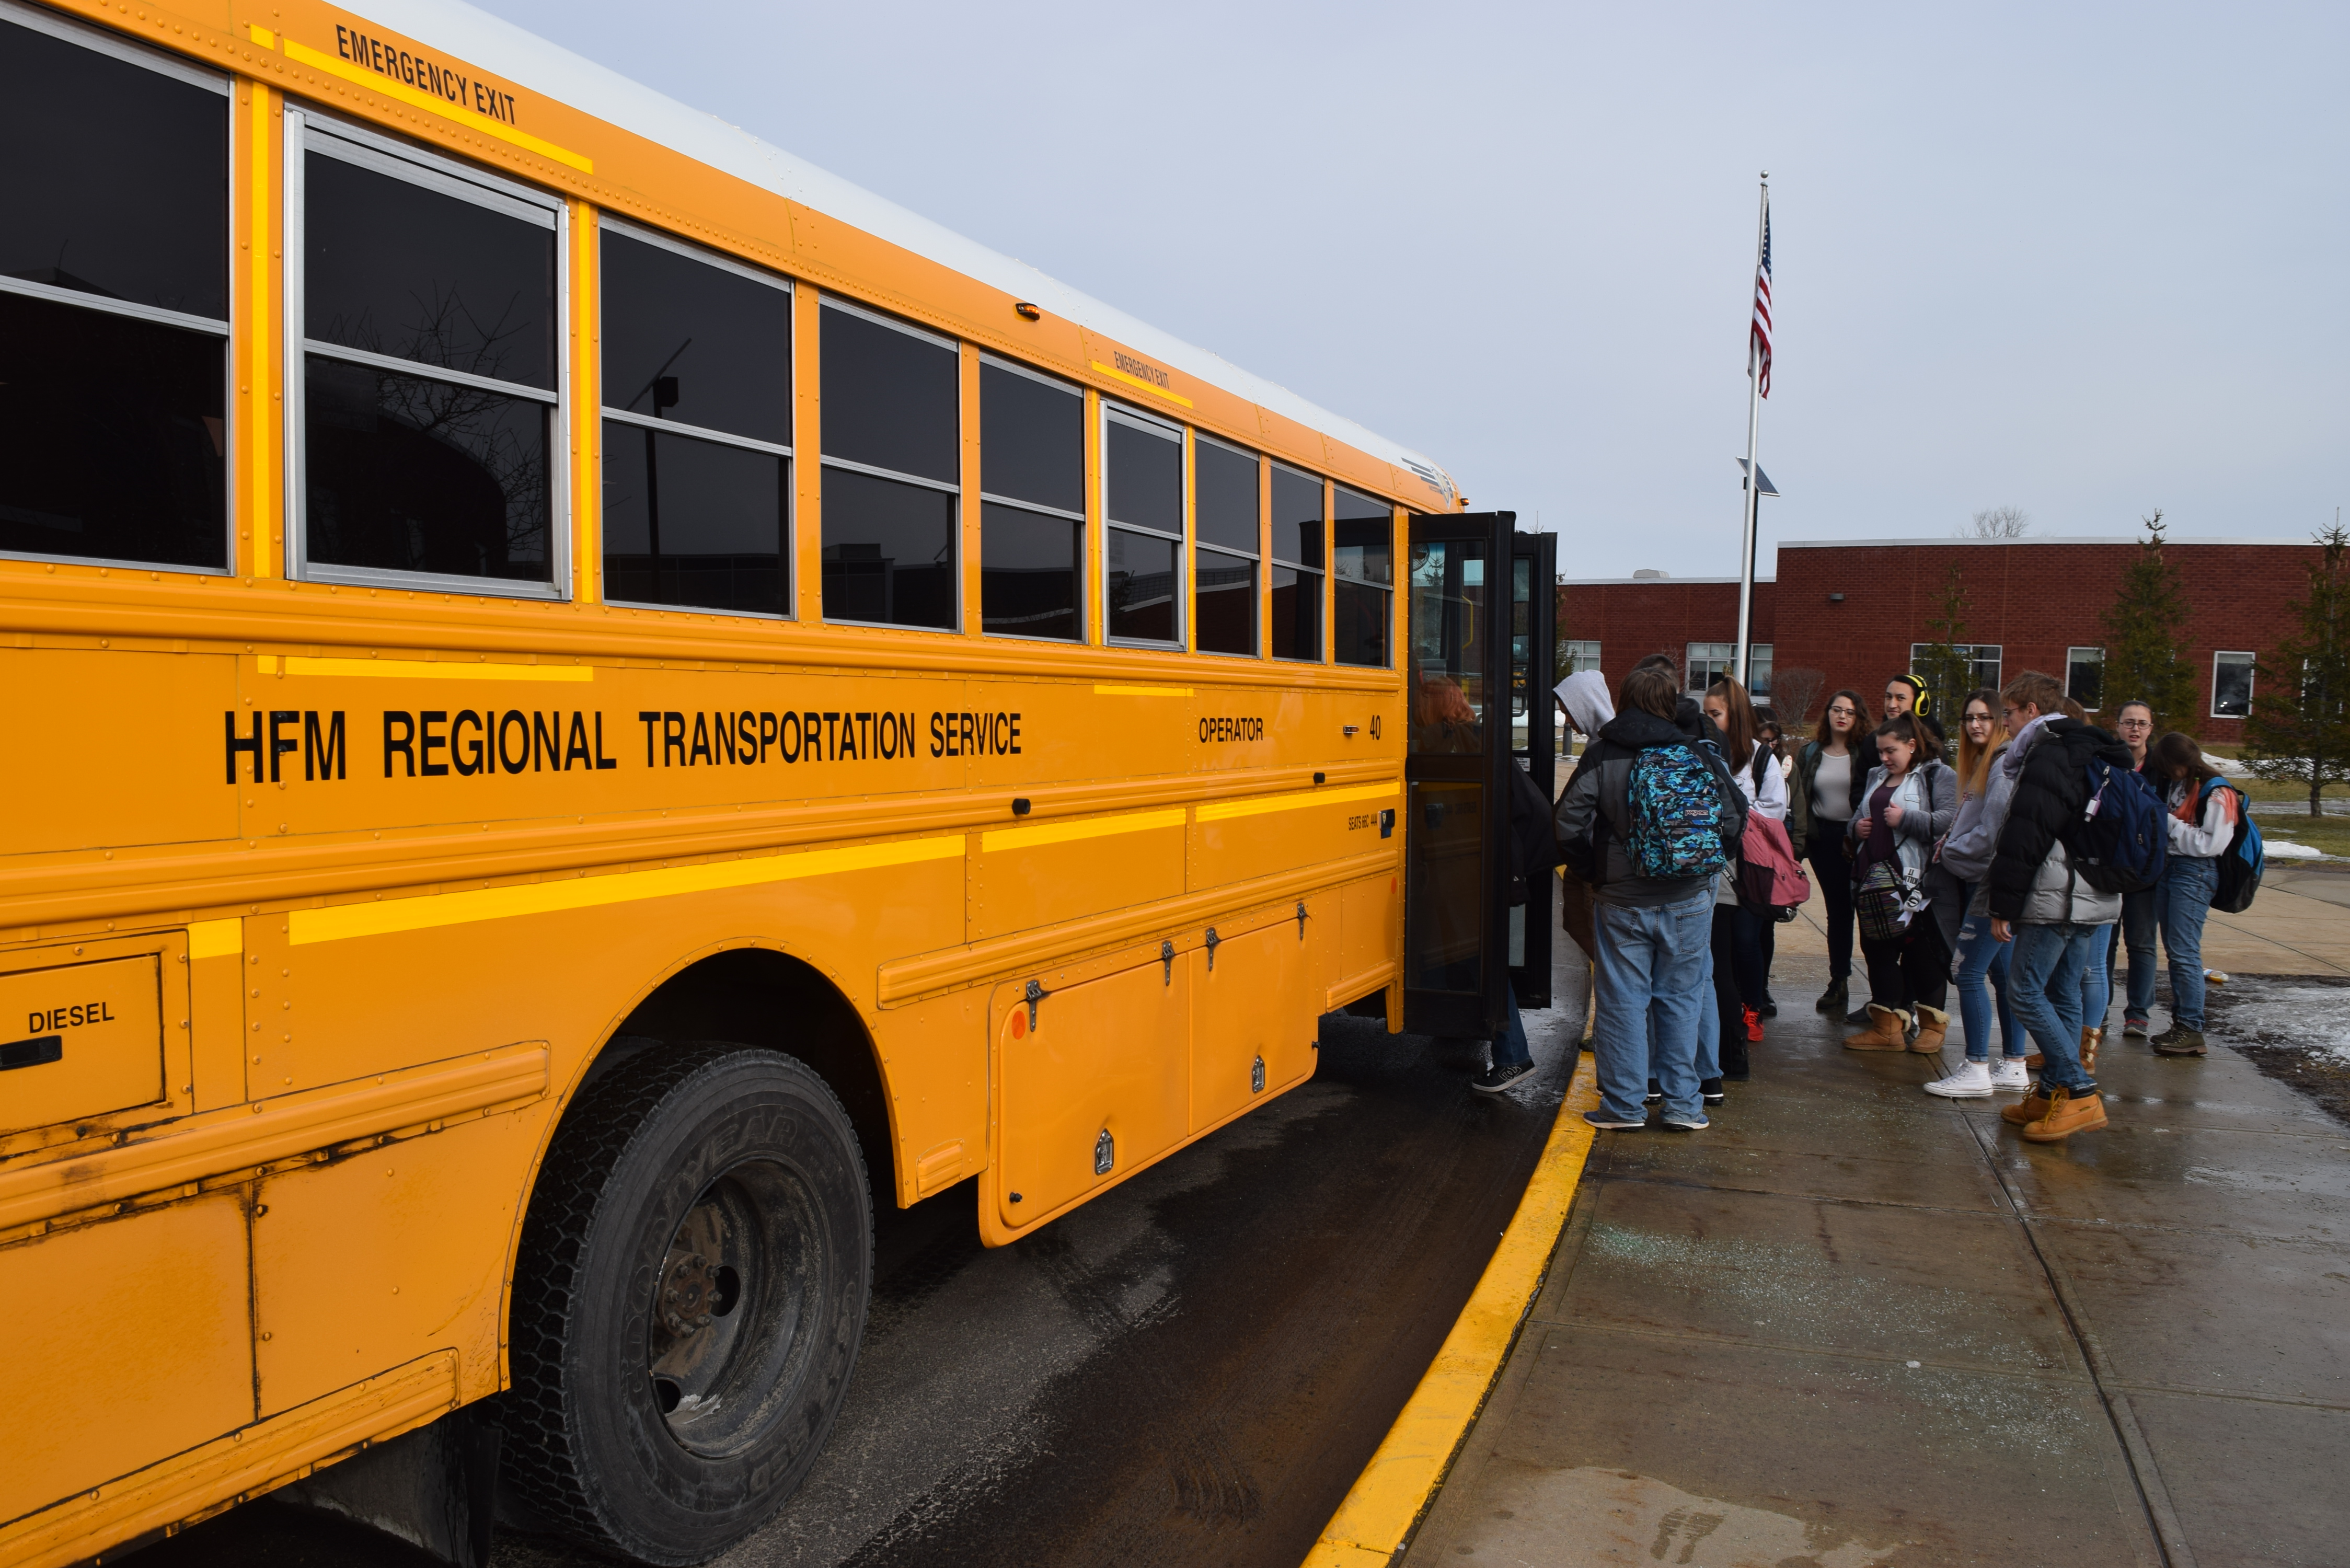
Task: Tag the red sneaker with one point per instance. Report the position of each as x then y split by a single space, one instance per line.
1753 1027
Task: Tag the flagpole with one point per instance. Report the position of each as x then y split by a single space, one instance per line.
1753 482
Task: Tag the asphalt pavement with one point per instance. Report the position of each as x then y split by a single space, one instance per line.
1190 1370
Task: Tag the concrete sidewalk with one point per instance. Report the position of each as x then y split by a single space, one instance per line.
1853 1325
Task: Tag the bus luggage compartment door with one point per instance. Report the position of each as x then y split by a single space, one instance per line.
1092 1088
1253 1029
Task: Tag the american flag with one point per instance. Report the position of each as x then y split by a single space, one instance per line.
1758 350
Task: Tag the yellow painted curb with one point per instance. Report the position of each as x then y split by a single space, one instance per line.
1396 1488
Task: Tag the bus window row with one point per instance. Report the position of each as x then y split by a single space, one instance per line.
427 381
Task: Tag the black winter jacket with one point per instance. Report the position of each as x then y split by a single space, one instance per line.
2050 796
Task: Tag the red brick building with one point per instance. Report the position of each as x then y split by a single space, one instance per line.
1855 610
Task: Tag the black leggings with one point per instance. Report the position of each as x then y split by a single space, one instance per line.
1832 869
1913 968
1727 1003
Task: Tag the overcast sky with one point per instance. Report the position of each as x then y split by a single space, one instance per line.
2085 260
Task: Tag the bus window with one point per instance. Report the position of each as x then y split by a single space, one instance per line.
1032 525
1224 499
697 429
1363 534
1142 503
113 302
1296 565
892 470
430 308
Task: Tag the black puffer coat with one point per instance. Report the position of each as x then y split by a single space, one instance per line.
2050 795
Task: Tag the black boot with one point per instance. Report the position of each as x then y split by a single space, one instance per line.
1833 999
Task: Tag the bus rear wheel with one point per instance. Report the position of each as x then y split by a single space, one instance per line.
687 1302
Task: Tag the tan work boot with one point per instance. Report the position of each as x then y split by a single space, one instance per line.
2029 1109
2034 1062
2065 1116
1933 1024
1886 1026
2090 1038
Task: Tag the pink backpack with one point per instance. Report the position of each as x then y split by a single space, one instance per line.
1770 878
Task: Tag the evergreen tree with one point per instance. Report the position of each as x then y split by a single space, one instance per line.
2145 639
1947 663
2299 728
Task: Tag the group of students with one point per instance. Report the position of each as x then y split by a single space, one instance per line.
1973 870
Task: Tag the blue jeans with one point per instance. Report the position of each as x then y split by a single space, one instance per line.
1982 958
2139 921
2097 985
1649 965
1510 1045
2043 982
2181 903
1708 1027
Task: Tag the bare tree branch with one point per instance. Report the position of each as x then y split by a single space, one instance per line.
2008 522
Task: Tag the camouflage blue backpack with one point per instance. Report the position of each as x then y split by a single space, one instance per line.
1675 814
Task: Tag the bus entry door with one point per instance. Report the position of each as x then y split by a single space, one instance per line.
1456 808
1533 741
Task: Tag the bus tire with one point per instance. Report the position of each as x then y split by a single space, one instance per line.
689 1299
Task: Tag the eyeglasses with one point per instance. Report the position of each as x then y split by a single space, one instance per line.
2136 724
1978 719
1842 711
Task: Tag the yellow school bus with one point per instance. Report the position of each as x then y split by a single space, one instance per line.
587 704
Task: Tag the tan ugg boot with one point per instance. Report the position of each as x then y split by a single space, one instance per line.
1887 1027
2090 1040
2065 1116
1933 1024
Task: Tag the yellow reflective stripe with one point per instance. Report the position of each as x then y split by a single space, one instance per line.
417 669
262 36
416 97
1101 691
1069 832
1156 391
1222 810
216 939
344 921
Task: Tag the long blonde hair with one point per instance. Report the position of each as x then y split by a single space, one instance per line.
1974 762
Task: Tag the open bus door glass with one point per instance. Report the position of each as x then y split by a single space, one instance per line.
1456 812
1534 728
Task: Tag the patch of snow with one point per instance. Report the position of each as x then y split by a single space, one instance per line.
2315 1018
2280 849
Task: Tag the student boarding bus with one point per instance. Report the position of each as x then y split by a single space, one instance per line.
588 704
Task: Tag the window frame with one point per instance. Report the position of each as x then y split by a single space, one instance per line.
989 498
459 182
826 300
605 222
1387 638
1180 592
1974 660
1691 660
2251 672
2098 706
225 328
1321 573
1574 658
1258 581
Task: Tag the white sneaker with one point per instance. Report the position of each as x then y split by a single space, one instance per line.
2011 1074
1970 1082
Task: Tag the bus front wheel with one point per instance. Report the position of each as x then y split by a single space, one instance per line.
687 1302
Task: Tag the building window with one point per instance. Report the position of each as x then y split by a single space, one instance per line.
1297 565
892 470
1708 662
2231 685
1032 519
697 389
1982 661
1574 658
1142 506
427 388
1363 576
1711 661
113 302
2084 676
1224 503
